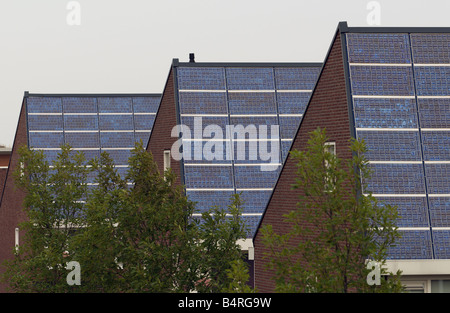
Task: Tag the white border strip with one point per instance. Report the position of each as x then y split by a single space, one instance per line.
202 90
382 64
382 97
395 162
388 129
209 189
393 195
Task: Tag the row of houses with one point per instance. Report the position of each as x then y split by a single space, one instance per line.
390 86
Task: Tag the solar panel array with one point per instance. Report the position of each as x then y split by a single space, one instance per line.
91 124
220 96
400 84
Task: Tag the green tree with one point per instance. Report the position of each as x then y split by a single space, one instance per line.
52 204
138 233
335 228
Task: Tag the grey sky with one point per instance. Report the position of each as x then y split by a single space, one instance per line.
126 46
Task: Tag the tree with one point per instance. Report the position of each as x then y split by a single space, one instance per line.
52 204
335 229
137 233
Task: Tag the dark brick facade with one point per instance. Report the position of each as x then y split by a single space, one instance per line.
328 108
11 212
166 118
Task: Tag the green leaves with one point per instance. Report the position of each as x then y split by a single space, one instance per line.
137 233
335 228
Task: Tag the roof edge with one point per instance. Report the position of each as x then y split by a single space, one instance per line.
27 94
344 28
246 64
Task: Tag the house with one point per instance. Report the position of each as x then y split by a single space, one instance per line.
390 86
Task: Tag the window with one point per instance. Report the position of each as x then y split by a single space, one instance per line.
440 286
166 160
16 239
330 147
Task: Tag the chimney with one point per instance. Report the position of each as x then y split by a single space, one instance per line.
191 58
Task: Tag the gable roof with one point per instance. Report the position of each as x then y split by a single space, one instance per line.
398 96
237 94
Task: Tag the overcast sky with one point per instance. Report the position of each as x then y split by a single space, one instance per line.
127 46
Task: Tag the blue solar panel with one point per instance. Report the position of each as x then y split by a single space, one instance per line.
251 223
289 126
252 151
80 122
252 103
251 78
432 80
253 177
378 48
439 213
207 199
207 151
115 105
117 140
413 244
392 145
431 48
116 122
441 239
438 178
382 80
436 145
434 113
248 100
201 78
396 179
46 140
142 136
44 105
212 123
146 104
203 102
45 122
82 140
413 211
385 113
255 201
426 110
208 176
120 157
79 105
285 146
298 78
251 123
292 102
144 122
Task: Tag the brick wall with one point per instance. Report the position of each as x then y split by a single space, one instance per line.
11 212
328 109
165 120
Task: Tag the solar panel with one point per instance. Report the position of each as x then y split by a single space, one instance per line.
250 78
378 48
208 177
382 80
432 80
434 113
392 145
400 93
385 113
413 244
249 100
441 239
252 103
431 48
91 124
439 216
